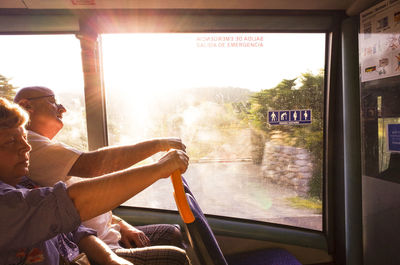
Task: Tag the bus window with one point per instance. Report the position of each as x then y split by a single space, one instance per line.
53 61
248 106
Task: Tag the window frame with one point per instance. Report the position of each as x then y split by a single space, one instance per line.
117 104
233 21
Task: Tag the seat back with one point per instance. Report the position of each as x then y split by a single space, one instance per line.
200 235
202 238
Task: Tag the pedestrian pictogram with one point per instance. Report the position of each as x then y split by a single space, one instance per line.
273 117
289 117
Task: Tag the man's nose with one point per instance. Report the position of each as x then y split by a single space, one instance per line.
24 146
61 108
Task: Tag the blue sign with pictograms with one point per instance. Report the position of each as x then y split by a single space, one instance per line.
393 131
289 117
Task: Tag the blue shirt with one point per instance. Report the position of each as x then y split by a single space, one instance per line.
38 224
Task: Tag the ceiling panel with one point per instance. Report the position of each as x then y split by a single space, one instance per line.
353 7
197 4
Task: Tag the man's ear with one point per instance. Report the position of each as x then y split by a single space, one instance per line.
26 104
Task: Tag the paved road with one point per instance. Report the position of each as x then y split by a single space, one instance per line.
233 189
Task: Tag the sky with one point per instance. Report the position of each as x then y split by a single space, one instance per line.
153 62
199 60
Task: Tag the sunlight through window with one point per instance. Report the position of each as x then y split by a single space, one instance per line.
216 92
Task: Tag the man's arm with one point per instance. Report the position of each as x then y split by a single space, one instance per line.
95 196
41 213
111 159
97 251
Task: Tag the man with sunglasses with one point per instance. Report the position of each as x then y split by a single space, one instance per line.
51 161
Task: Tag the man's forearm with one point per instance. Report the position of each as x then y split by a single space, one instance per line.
95 196
97 251
111 159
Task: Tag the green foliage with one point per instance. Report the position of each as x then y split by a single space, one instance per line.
311 203
7 90
258 143
309 94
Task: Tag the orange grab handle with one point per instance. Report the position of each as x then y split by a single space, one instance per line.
180 198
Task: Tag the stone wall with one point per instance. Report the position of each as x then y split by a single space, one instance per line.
288 166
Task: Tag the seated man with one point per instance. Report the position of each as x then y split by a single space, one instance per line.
38 225
51 162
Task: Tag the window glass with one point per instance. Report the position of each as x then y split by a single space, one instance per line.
53 61
249 108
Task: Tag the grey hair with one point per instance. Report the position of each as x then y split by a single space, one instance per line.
11 115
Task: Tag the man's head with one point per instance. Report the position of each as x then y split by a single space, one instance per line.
45 114
14 148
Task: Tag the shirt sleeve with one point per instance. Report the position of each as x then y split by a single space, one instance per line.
50 161
81 232
30 216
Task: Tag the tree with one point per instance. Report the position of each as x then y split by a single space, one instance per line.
7 90
286 96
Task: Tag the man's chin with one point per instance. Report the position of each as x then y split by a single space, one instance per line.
57 125
60 124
